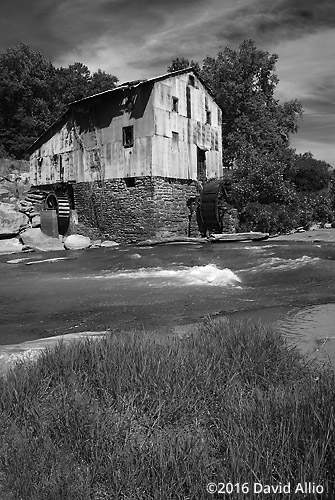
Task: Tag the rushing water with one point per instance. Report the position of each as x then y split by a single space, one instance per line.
290 285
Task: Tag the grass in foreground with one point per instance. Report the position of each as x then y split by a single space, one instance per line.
130 418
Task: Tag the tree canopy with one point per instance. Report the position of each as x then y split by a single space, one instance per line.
256 128
310 174
33 93
182 63
243 83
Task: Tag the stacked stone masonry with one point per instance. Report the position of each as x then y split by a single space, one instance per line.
134 209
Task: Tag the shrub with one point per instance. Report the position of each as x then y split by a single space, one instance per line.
273 218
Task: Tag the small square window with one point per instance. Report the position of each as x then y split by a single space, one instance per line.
175 136
175 102
129 181
128 136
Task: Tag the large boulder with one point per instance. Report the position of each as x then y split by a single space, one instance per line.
11 245
76 242
10 220
34 238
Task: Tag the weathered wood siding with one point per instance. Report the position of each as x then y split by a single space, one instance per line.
87 144
177 136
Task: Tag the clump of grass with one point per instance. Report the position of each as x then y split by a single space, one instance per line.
128 417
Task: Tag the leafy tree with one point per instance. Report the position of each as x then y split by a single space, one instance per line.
243 83
25 98
261 178
182 63
72 82
310 174
255 126
101 81
33 94
76 82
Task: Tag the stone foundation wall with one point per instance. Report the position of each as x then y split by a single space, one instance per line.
175 213
134 209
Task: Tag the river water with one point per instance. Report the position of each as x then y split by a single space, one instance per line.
289 285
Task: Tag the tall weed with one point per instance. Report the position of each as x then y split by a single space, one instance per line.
130 417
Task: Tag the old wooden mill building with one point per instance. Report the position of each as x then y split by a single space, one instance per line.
128 162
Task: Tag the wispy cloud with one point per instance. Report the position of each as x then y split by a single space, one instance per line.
138 38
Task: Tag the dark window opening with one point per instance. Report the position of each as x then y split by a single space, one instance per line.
188 102
128 136
128 103
208 117
130 182
201 165
61 169
175 136
191 80
175 102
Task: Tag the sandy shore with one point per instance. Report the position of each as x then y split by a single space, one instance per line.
316 235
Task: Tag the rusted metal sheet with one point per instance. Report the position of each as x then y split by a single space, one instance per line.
165 141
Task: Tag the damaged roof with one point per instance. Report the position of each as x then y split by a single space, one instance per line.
137 83
121 87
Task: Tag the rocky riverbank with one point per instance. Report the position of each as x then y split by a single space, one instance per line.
313 235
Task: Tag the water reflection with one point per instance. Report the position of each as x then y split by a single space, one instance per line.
312 329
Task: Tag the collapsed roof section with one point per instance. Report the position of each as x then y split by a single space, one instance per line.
120 88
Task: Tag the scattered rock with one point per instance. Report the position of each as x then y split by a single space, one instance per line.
315 226
35 239
3 193
24 227
27 249
327 225
96 244
109 244
10 220
36 221
17 261
25 206
12 245
55 259
76 242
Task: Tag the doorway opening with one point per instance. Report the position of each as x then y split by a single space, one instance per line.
201 165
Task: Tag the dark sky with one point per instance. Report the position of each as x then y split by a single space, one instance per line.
138 39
